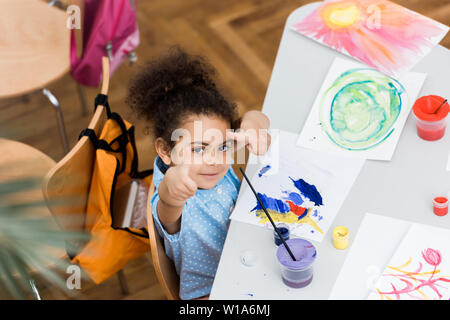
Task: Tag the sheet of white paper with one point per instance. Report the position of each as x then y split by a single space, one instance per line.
376 241
359 111
419 269
448 162
303 187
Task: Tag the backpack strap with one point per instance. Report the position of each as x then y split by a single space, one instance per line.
144 231
102 99
98 143
142 174
123 141
91 134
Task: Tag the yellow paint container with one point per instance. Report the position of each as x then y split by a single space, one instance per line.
340 237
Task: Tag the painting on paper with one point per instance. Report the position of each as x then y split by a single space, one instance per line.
300 187
380 33
360 111
419 269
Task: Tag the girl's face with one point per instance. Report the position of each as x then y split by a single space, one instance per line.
205 148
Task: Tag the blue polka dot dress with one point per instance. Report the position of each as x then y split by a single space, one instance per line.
196 248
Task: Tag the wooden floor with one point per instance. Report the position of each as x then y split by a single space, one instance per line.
239 37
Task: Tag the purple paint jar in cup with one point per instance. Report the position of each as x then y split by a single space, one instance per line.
297 274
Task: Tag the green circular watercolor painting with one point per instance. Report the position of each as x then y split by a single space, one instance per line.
360 108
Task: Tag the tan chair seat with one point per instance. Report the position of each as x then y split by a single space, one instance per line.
34 46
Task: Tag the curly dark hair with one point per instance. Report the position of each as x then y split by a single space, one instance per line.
167 90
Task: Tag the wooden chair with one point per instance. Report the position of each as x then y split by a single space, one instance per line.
164 267
35 53
70 178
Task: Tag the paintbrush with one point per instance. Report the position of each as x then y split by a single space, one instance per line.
440 106
268 216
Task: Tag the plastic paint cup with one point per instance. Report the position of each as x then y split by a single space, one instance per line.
440 206
340 237
430 125
283 228
299 273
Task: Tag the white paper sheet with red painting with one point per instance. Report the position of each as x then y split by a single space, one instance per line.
419 269
379 33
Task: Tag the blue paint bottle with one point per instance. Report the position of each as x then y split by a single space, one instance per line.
283 228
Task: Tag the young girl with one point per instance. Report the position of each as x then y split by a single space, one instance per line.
196 187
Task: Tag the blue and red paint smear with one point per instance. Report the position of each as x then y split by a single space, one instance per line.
293 200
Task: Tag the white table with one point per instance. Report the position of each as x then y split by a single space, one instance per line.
402 188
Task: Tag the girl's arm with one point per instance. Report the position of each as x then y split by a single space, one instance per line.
174 190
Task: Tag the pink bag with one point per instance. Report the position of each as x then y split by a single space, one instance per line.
110 29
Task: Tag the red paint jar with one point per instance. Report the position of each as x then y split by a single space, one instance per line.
430 125
440 206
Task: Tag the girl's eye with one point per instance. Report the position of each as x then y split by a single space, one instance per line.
224 148
197 149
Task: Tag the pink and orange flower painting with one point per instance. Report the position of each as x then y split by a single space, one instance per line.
417 272
412 283
379 33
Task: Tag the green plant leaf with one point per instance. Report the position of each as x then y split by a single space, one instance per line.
25 241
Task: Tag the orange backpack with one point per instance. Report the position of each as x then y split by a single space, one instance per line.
110 248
